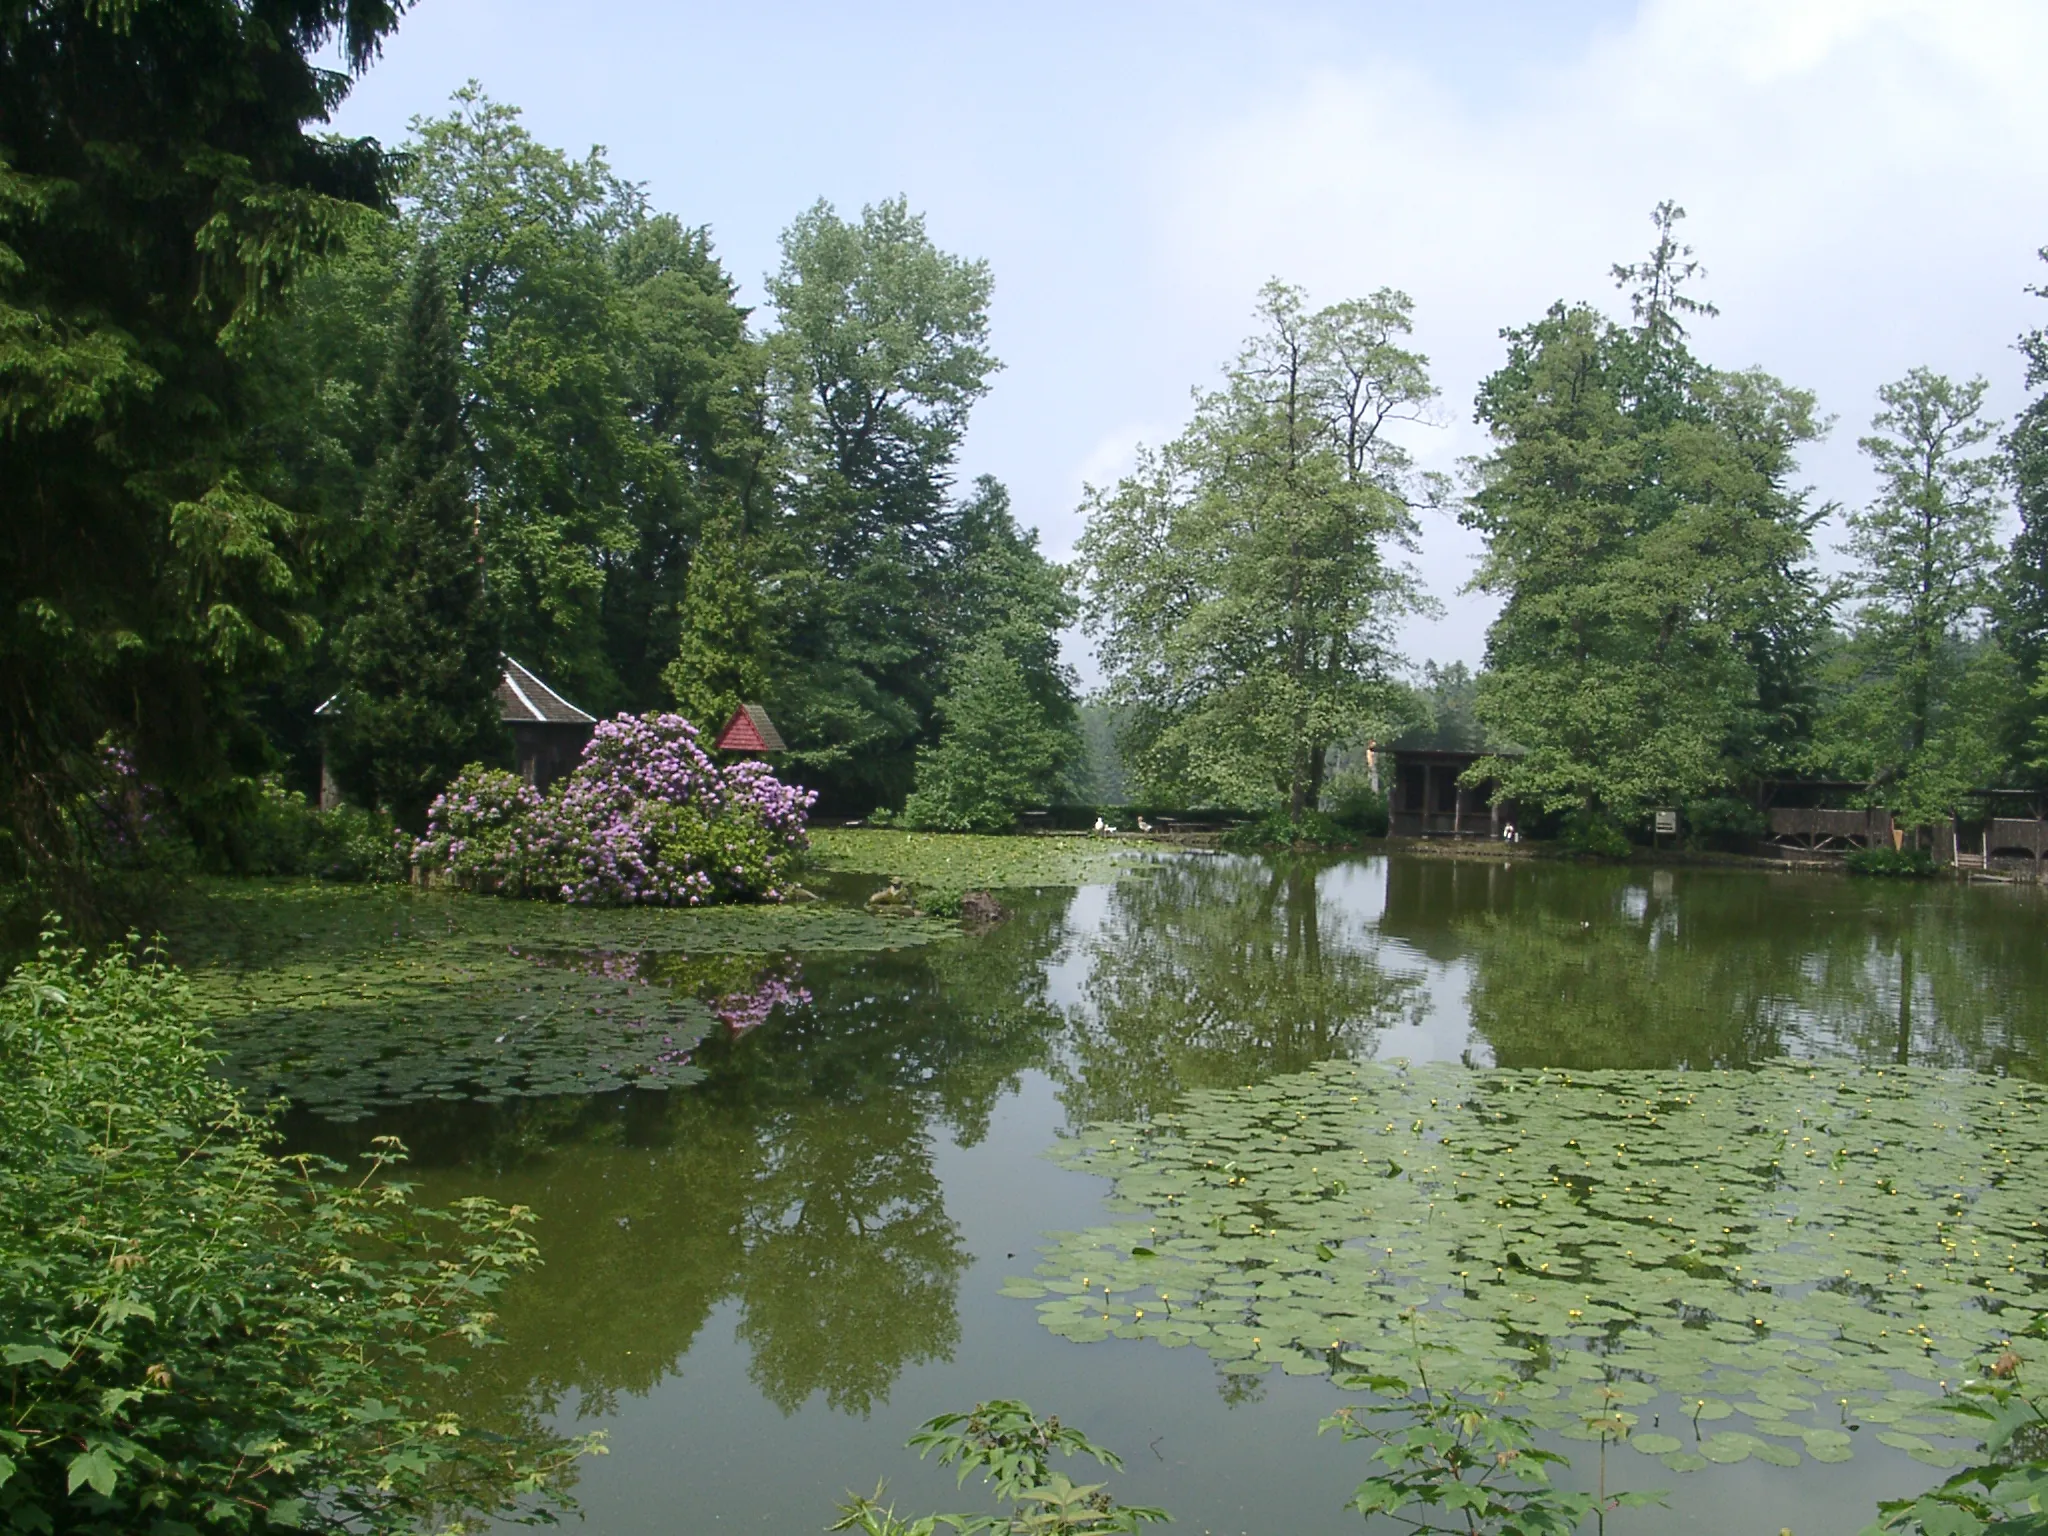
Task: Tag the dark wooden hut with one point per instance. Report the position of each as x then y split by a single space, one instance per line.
548 732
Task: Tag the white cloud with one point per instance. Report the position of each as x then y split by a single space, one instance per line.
1867 184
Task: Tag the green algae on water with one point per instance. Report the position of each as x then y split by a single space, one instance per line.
1773 1264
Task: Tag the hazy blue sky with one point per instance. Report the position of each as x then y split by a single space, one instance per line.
1866 181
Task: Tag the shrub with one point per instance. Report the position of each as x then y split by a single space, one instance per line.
282 834
647 818
1276 829
1890 863
481 832
1723 823
1595 834
1357 807
202 1335
353 845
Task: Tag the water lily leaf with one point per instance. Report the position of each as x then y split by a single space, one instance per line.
1712 1267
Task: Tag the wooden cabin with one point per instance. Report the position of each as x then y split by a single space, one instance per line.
1427 798
548 732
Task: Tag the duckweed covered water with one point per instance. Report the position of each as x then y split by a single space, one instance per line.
761 1276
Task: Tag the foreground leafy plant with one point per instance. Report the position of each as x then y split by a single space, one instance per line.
1471 1459
1012 1448
2008 1491
202 1335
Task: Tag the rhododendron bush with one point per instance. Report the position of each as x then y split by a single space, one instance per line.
647 818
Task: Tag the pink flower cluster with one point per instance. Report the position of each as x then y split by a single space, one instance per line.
647 818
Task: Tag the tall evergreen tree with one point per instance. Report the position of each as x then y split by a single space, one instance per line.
1009 728
422 659
727 654
163 183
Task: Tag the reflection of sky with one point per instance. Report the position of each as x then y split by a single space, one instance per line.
1813 965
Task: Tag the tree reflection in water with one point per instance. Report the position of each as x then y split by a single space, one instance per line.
1219 972
796 1181
1614 966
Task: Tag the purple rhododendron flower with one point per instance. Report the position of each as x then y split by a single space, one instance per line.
647 818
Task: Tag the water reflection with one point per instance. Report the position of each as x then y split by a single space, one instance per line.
1614 967
1219 972
795 1181
809 1193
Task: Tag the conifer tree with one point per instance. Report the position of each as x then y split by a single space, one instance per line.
723 659
422 658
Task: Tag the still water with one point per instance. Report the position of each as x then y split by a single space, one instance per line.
759 1284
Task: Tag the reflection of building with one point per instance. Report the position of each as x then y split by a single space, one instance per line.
1426 795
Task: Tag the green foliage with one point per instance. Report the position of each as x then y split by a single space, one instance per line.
1278 829
1468 1459
1725 823
204 1335
1890 863
1244 578
2021 611
1356 806
422 657
1009 731
1786 1243
880 354
1596 834
2006 1494
1012 1448
161 192
725 656
283 835
1916 691
1658 605
996 753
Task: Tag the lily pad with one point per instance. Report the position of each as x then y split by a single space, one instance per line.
1797 1243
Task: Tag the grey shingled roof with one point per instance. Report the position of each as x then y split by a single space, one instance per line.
524 698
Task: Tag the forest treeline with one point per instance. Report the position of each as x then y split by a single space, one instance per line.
288 418
1666 635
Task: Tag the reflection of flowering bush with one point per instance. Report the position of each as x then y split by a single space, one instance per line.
647 818
741 1011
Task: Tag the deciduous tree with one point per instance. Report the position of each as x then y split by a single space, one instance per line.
1916 684
1245 578
880 353
1651 556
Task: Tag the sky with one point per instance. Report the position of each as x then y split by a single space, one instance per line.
1865 180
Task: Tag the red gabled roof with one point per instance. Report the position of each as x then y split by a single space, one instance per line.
750 730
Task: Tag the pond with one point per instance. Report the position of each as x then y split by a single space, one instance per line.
806 1178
